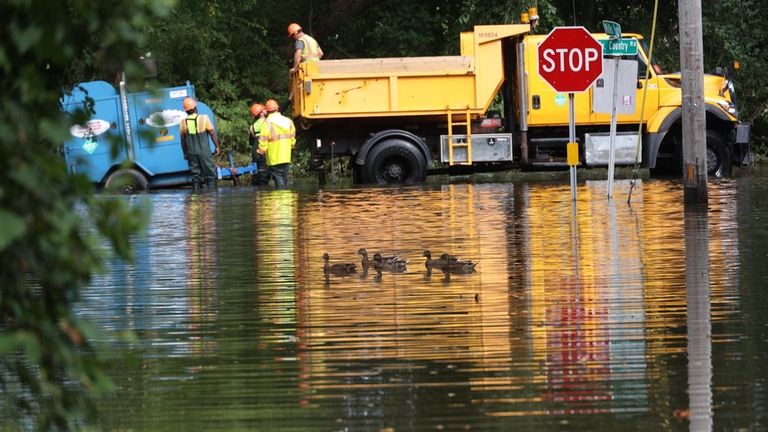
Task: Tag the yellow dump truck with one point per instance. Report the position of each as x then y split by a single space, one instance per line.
393 116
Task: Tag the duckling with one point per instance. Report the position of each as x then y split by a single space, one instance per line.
452 264
389 260
394 265
377 264
339 268
367 263
432 263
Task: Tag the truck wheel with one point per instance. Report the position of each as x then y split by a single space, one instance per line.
718 155
126 181
394 161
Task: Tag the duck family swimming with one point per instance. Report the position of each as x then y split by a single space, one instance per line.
447 263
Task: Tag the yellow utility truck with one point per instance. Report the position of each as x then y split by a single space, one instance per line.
489 107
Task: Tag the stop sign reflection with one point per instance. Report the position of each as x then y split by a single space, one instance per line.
570 59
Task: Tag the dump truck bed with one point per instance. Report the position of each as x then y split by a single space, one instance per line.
406 86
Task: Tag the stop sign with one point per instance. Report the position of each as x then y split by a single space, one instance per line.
570 59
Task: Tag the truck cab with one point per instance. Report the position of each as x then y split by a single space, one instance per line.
658 103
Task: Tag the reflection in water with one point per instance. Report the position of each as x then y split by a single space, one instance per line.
574 317
699 322
200 227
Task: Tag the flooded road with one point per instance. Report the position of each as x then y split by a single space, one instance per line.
603 317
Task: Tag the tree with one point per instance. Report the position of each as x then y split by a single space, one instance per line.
51 221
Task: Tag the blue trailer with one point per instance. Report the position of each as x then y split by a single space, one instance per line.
146 127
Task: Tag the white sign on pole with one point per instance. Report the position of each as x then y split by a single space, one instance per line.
626 92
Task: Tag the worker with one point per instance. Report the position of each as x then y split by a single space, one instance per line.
261 177
195 130
306 47
276 140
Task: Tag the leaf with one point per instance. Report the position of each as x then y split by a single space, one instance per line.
13 228
25 38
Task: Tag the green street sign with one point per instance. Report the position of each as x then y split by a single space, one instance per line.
619 47
612 29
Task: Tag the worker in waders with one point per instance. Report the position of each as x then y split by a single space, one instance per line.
195 130
261 176
276 140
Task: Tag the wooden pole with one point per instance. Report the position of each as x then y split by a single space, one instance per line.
694 117
699 317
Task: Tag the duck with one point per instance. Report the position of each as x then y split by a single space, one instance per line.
394 265
393 261
432 263
452 264
338 268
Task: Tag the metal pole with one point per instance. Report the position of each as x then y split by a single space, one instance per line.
694 116
126 118
572 139
612 147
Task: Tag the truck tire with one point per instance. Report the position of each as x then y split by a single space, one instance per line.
394 161
127 181
718 155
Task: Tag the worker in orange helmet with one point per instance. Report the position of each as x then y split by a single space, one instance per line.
261 176
276 140
195 130
306 48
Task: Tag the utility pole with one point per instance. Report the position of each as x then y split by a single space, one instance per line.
694 117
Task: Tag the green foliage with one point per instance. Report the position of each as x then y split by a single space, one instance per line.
51 220
237 51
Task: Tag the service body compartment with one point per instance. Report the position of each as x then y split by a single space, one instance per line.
496 147
597 148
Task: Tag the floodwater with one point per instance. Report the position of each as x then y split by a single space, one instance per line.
599 317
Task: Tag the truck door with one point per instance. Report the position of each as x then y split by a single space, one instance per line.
547 107
651 97
155 119
88 150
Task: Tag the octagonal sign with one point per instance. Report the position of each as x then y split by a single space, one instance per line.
570 59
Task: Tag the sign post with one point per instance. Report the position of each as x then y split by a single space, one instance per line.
616 48
570 60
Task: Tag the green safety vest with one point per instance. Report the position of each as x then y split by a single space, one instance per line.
256 127
254 134
195 127
195 124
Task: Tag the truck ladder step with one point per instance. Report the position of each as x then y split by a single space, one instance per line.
452 144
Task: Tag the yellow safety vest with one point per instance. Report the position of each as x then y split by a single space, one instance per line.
277 138
311 51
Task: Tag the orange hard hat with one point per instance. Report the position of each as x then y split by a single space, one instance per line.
256 109
271 105
293 28
188 103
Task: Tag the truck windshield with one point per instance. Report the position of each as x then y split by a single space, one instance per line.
641 65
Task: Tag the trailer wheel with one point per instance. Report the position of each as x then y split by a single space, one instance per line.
127 181
394 161
718 155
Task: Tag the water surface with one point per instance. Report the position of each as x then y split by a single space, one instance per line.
602 316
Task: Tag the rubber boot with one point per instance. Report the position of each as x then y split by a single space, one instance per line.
195 187
211 184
